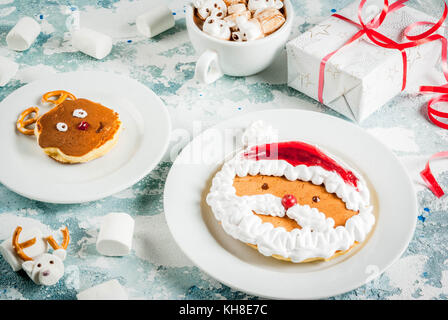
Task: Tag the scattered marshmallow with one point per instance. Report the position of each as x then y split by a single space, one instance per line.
155 21
110 290
23 34
36 250
231 19
92 43
8 69
217 28
250 29
115 236
254 5
271 19
205 8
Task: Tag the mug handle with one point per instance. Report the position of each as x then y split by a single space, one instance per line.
207 67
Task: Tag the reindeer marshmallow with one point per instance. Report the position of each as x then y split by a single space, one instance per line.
47 268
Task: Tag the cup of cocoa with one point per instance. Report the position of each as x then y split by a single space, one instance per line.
237 37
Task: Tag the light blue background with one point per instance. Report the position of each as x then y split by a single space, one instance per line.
156 268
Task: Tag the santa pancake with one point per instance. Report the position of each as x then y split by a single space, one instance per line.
292 201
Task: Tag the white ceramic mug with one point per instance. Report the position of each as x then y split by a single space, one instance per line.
218 57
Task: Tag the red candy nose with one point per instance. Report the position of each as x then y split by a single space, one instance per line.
83 125
288 201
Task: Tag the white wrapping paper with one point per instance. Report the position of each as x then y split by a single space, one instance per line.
362 76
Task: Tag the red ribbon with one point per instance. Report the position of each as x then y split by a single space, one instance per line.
429 178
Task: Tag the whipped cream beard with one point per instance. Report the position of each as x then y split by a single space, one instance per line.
318 236
239 20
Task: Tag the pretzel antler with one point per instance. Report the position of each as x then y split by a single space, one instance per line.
25 120
18 247
65 241
63 95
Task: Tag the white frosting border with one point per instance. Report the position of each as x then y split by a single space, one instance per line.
317 239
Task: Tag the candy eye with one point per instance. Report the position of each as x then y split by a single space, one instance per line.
61 126
265 186
79 113
316 199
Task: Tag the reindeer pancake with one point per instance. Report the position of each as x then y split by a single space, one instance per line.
292 201
75 130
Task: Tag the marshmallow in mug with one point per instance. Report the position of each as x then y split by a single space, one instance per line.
8 69
23 34
109 290
250 29
254 5
233 2
236 8
206 8
92 43
271 19
155 21
115 236
231 19
217 28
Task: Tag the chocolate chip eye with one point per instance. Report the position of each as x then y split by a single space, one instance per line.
215 5
210 21
39 265
219 14
265 186
316 199
221 25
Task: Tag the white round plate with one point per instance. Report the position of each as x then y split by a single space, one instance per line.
27 170
237 265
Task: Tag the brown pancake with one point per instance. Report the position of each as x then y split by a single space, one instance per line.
103 124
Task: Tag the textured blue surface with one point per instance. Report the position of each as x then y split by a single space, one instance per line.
157 269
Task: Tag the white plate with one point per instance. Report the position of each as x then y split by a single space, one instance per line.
27 170
237 265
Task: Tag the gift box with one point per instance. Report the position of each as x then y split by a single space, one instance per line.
361 76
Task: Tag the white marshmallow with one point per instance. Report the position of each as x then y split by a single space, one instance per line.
217 28
254 5
232 18
236 8
115 236
110 290
156 21
92 43
36 250
206 7
250 29
8 69
23 34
